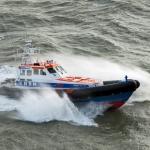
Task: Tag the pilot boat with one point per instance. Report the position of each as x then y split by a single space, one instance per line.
80 90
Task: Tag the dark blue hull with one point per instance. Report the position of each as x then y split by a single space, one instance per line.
112 93
113 101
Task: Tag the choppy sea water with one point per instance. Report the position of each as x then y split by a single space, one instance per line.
104 39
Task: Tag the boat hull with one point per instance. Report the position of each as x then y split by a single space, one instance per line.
111 101
114 94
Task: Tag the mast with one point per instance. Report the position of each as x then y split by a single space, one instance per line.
28 52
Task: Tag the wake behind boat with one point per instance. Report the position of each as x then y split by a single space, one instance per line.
80 90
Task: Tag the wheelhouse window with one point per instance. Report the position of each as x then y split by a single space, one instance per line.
36 71
29 72
60 69
42 72
22 72
51 70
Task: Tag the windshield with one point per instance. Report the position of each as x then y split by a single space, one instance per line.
60 69
51 70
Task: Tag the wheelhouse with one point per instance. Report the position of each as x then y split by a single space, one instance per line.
49 69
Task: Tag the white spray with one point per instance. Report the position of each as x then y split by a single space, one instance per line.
44 106
47 105
107 70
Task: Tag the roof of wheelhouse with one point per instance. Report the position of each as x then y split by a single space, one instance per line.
41 65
